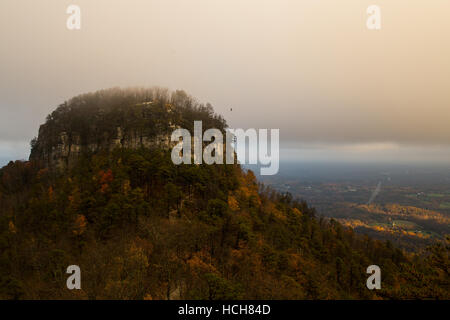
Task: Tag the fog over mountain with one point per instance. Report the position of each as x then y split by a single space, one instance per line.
336 90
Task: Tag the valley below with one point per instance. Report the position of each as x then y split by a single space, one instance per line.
410 206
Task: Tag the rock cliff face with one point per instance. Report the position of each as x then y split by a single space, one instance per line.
68 146
115 118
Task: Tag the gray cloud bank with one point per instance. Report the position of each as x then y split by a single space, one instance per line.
310 68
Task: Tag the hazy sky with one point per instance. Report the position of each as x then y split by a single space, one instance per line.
309 67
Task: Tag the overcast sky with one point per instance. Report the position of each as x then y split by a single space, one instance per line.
312 68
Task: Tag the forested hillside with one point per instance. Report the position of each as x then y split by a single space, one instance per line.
141 227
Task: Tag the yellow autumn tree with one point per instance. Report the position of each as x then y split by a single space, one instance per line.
79 225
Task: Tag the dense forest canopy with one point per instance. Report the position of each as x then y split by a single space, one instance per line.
125 117
141 227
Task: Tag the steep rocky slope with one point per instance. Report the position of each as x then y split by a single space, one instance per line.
105 120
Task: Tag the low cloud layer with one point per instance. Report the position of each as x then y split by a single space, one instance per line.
310 68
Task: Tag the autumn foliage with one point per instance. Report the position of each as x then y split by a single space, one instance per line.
141 227
187 232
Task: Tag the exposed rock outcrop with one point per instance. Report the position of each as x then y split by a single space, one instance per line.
116 118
